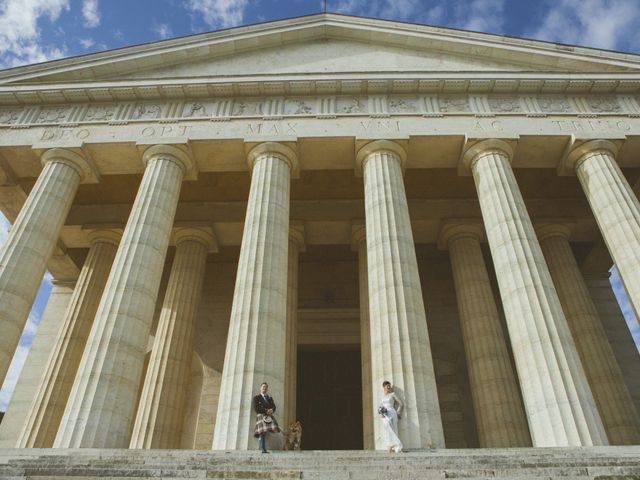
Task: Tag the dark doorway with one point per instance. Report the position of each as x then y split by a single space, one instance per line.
329 399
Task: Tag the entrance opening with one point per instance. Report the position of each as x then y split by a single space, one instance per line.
329 399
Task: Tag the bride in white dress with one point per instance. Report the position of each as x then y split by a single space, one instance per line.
390 411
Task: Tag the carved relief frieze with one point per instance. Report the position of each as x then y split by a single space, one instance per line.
300 106
9 116
454 104
504 104
247 108
325 106
197 110
100 113
147 111
604 104
351 105
398 104
554 104
53 114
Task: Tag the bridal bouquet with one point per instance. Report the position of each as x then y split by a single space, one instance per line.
382 410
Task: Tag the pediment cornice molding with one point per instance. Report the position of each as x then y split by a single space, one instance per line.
531 55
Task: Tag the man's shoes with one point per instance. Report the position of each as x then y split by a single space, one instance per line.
265 451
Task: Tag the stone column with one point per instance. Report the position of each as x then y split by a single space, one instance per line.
607 384
400 350
560 407
296 244
31 242
47 407
496 400
615 208
359 243
256 340
158 423
102 402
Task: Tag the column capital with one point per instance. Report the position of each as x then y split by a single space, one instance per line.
375 146
453 229
105 235
284 152
546 230
80 163
175 153
297 235
473 151
202 235
358 234
579 152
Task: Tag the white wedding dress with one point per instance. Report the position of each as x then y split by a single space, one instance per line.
390 421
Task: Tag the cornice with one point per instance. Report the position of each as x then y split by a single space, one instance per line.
329 84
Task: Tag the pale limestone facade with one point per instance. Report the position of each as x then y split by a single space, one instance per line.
261 203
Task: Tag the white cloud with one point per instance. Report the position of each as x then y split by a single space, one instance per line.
610 24
19 33
163 30
482 15
90 13
87 43
406 10
219 13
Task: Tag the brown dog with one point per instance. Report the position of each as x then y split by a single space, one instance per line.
293 437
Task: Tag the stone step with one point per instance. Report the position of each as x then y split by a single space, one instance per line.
592 463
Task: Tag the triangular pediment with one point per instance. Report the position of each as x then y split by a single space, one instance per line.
328 55
320 45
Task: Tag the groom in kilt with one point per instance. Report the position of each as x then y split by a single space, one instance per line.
264 406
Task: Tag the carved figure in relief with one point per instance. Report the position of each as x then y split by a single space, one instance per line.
454 104
100 112
8 116
504 104
554 104
196 109
353 106
247 108
54 114
604 104
300 107
151 111
397 105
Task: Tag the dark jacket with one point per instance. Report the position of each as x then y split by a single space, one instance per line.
260 406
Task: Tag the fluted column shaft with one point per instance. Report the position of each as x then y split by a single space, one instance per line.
30 244
365 342
256 341
102 403
560 408
291 361
605 378
496 401
158 423
617 211
400 350
43 419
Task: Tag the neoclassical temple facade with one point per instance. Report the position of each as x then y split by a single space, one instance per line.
323 203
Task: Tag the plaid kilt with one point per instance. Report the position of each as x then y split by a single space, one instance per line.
263 427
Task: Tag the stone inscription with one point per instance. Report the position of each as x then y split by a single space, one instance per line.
325 106
393 127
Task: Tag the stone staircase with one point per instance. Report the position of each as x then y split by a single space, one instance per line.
594 463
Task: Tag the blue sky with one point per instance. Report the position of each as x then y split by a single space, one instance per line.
40 30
